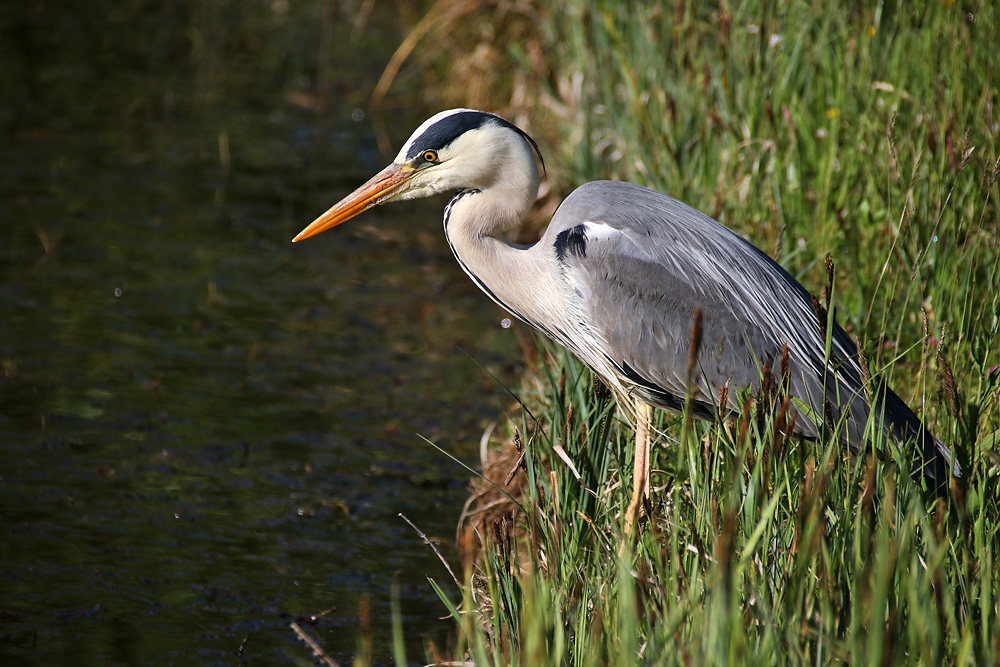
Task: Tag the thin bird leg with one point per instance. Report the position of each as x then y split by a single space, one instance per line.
640 471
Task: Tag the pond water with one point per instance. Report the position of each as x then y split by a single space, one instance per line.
207 432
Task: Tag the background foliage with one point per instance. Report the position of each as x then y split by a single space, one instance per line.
866 132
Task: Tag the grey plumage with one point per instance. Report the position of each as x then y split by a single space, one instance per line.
643 262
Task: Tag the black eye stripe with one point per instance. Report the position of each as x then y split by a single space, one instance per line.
449 128
446 130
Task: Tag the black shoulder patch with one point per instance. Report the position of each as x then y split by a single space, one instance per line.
572 241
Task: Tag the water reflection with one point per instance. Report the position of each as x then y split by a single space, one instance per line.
206 431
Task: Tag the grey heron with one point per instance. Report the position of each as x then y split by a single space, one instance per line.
617 278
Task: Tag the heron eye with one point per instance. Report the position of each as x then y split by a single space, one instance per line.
429 156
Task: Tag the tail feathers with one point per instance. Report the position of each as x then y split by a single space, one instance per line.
934 460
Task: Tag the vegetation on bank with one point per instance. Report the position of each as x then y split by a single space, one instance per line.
865 132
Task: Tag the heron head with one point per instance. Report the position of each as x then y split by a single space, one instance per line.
452 150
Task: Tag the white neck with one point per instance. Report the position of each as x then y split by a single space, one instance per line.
527 281
474 222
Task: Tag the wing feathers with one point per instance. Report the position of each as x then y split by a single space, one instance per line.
642 262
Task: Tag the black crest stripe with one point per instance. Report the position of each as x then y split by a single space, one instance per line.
445 131
449 128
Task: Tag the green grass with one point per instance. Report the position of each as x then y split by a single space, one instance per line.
867 133
761 550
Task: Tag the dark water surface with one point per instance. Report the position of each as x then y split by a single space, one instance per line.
206 431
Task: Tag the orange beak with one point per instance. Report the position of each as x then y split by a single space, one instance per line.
380 187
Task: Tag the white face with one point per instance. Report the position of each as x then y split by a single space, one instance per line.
477 159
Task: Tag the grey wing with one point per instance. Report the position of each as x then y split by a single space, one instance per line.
641 263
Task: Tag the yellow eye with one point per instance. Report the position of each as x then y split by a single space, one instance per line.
429 156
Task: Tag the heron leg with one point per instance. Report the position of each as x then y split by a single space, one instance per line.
641 468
